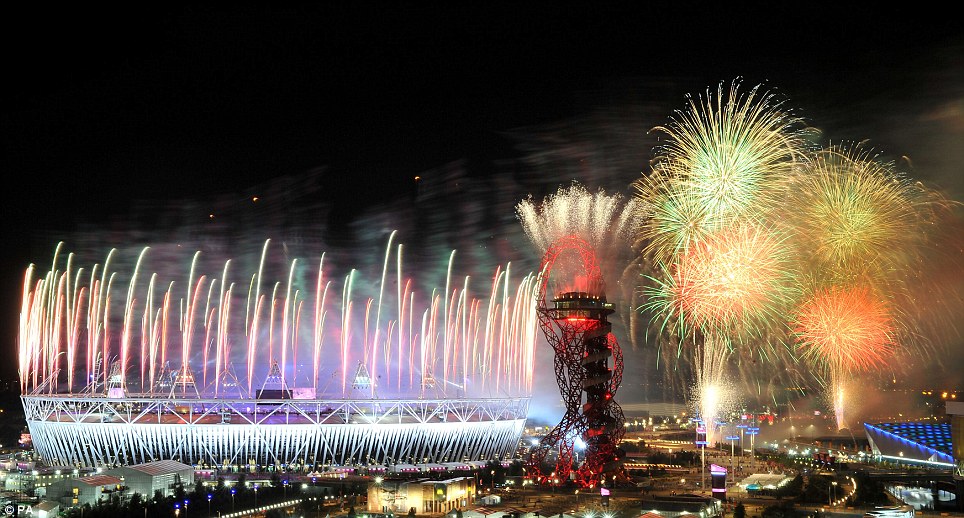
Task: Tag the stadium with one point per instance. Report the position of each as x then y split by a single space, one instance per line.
127 368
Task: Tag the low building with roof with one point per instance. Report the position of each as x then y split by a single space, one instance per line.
760 481
681 506
161 475
425 496
89 490
46 509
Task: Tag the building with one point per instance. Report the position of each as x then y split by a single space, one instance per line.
162 475
758 481
955 410
921 443
46 509
678 506
35 480
87 490
425 496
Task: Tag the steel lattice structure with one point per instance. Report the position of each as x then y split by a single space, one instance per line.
580 335
96 431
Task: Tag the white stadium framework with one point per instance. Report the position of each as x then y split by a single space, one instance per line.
293 434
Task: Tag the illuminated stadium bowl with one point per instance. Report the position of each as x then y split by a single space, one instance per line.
123 368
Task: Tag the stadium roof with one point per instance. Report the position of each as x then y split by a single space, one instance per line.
928 443
936 436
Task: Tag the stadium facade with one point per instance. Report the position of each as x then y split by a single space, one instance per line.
292 434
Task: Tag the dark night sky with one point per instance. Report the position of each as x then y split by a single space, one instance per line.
104 107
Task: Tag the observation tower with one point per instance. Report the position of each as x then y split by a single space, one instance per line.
577 328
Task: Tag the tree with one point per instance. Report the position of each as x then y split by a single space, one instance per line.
815 490
136 503
870 492
659 458
179 492
739 511
791 489
306 506
781 510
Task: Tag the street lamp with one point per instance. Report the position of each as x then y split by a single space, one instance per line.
492 483
233 491
577 499
255 495
285 484
210 496
833 489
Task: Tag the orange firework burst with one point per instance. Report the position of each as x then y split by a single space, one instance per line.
849 329
739 281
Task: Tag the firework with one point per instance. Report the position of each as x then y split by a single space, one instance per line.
733 284
865 233
674 220
739 218
847 329
723 271
727 159
856 216
714 396
74 334
603 220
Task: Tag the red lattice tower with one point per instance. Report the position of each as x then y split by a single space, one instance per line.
577 328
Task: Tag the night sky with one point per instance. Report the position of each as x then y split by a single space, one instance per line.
106 110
